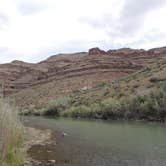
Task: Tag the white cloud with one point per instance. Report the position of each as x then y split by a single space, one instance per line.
30 30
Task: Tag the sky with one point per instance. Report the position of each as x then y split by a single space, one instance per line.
32 30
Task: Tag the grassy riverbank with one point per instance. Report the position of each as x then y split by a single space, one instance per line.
141 96
11 136
150 106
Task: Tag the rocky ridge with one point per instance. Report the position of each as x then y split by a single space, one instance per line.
74 71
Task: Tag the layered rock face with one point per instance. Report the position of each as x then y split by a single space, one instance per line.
75 71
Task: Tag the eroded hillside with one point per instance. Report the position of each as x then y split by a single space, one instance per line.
59 75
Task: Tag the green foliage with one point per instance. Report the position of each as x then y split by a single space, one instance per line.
110 105
104 110
55 108
15 157
150 106
11 136
80 111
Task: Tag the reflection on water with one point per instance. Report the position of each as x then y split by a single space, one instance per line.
98 143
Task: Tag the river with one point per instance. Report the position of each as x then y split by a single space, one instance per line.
101 143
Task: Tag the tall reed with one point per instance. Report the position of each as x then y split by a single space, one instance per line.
11 136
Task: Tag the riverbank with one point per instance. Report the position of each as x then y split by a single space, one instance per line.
36 143
150 106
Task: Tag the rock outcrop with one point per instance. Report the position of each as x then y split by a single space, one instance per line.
96 51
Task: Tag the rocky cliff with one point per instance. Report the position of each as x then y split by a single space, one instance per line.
75 71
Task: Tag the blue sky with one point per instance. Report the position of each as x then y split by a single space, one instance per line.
32 30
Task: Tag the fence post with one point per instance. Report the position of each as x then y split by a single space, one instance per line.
2 89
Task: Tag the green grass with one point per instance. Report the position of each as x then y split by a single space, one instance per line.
11 136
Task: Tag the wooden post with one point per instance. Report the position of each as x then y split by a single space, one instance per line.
2 89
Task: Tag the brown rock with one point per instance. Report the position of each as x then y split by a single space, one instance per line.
96 51
125 51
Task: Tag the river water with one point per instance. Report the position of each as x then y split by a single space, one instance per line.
101 143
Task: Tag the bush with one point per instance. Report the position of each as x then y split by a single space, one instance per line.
83 111
151 106
80 111
110 108
55 108
110 104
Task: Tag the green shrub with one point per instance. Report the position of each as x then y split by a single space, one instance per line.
149 106
110 108
80 111
110 104
95 108
55 108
